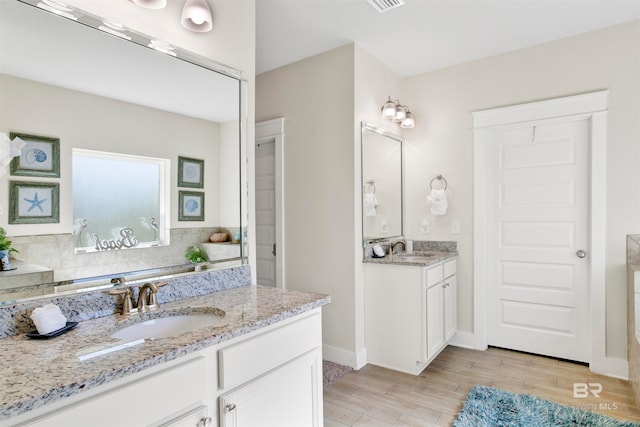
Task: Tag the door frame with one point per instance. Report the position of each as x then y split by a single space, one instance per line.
592 106
273 131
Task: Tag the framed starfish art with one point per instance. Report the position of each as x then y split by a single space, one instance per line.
34 202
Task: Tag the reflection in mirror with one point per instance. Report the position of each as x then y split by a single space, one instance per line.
381 184
94 91
119 200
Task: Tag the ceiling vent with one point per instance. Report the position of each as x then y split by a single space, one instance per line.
385 5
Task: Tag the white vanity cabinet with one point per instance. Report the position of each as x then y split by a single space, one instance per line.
268 377
410 313
162 397
285 397
255 394
441 313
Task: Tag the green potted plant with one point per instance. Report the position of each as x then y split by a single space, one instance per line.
5 251
196 256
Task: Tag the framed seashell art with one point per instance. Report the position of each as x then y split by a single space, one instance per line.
39 157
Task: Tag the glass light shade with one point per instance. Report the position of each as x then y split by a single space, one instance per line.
401 113
150 4
389 109
196 16
408 122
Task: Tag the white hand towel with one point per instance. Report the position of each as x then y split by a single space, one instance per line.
438 201
370 204
48 318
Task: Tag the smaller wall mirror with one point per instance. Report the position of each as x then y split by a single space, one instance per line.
381 184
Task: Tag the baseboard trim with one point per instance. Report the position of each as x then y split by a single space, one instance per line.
344 357
616 368
463 339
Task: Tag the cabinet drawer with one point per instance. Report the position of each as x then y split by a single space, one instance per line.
449 268
434 275
249 359
153 395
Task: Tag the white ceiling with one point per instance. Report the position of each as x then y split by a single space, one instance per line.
424 35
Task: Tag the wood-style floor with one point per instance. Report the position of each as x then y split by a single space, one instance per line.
375 396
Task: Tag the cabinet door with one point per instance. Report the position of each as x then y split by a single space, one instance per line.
435 328
287 396
152 394
450 307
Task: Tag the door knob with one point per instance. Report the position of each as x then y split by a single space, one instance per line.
581 254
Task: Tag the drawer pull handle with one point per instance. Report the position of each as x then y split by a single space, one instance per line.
230 407
204 422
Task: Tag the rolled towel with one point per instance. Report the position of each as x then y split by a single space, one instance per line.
48 318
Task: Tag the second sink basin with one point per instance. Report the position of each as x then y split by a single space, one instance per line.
416 256
164 327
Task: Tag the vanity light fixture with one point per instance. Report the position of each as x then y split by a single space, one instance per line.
408 122
163 47
398 113
389 109
150 4
401 113
196 16
115 29
58 8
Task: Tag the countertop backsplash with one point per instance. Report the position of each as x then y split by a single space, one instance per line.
15 317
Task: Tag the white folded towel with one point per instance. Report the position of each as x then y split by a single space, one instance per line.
370 204
48 318
438 201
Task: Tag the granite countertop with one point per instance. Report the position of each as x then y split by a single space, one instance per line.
416 258
36 372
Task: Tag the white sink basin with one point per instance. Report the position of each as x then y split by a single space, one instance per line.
415 256
164 327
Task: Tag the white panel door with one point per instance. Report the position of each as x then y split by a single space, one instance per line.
266 213
538 225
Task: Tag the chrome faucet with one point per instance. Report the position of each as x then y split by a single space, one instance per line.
392 246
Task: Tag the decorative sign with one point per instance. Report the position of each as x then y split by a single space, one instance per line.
128 240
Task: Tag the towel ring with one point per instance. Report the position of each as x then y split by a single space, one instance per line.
438 178
372 184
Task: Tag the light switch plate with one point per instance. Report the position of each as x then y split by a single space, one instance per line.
424 227
455 226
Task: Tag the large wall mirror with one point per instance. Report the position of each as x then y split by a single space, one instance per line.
381 184
113 91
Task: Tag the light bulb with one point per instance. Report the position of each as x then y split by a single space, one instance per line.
196 16
401 113
389 109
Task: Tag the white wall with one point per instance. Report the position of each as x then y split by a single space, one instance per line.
229 171
374 82
441 142
315 96
92 122
323 100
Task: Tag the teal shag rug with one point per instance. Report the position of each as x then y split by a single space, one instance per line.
491 407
